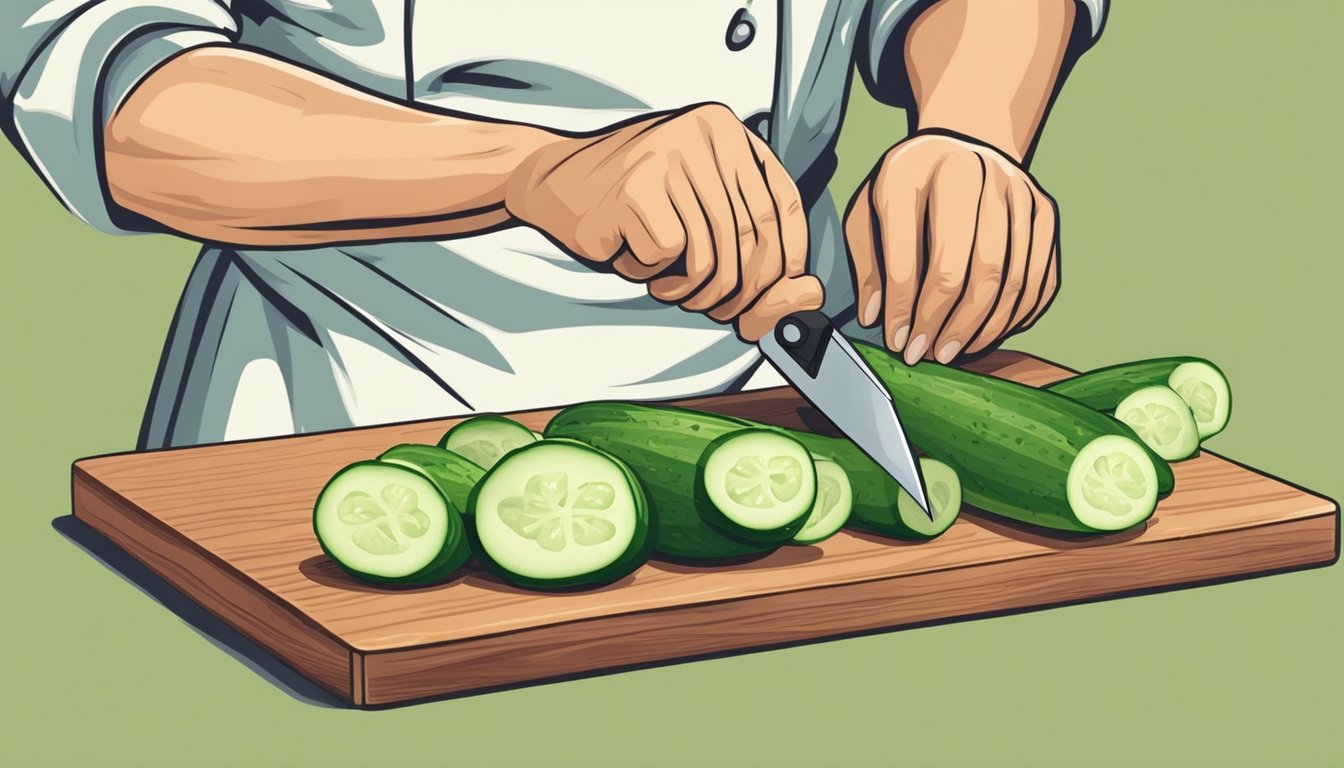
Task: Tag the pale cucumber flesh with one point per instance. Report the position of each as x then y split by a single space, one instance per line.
556 511
834 502
1163 420
760 480
385 521
484 440
1112 484
1205 390
943 488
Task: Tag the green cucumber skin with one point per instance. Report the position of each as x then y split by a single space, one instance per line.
664 446
1103 389
875 492
635 555
453 475
455 553
474 422
1012 445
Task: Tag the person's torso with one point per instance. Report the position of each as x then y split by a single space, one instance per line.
505 320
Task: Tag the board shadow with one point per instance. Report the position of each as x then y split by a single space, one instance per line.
201 621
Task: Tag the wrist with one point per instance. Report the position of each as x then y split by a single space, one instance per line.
1012 157
540 152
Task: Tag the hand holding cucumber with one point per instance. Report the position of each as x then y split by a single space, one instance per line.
985 266
691 202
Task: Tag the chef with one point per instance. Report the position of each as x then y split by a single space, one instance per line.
432 208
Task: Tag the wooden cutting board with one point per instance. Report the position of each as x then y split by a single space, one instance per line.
230 526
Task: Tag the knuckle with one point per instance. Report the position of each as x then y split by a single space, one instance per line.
946 283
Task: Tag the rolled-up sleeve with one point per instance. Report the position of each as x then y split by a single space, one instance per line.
881 42
65 66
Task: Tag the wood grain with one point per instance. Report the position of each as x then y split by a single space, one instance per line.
230 526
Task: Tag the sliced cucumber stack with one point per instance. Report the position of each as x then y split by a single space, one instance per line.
387 524
1199 383
1162 420
833 505
880 504
485 439
454 475
558 513
718 488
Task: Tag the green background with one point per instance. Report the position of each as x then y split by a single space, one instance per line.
1196 157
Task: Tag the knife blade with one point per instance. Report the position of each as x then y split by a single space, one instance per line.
820 363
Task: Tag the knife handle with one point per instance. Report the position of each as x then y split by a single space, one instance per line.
788 296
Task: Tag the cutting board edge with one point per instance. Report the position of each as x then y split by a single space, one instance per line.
467 651
1305 518
88 494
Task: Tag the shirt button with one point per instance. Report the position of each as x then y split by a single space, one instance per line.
741 30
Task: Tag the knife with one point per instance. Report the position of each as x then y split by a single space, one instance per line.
820 363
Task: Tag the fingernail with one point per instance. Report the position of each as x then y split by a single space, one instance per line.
916 349
949 351
898 338
870 309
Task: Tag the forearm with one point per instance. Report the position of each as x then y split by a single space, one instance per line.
232 146
988 69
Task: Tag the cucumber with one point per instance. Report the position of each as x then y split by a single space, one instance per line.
485 439
880 504
833 505
454 475
718 489
1199 382
386 524
559 514
1023 453
1162 420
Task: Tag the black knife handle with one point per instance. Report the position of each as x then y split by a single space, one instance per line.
804 335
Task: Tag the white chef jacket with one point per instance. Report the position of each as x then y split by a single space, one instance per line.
271 341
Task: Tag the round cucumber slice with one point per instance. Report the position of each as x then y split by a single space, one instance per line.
389 524
559 513
761 481
943 487
1205 389
1162 420
485 439
1112 484
834 502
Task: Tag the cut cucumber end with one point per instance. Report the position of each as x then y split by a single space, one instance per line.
1112 484
761 480
561 513
833 504
384 521
1205 390
1163 420
943 488
485 439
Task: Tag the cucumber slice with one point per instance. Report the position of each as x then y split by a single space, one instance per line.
454 475
944 493
387 524
833 505
1204 388
1162 420
1199 383
760 481
1112 484
559 513
485 439
667 448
